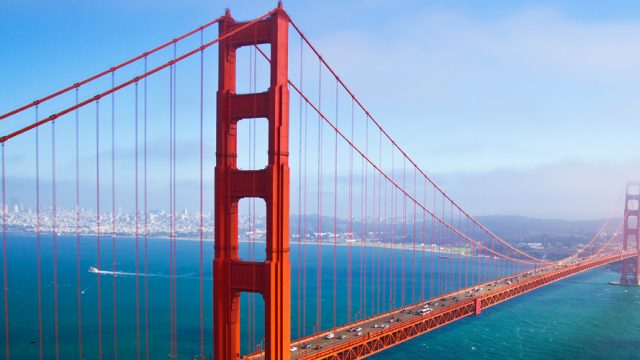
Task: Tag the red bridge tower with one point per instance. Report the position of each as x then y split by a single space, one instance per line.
630 266
233 276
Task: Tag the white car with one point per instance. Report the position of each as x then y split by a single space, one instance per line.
293 348
425 311
330 336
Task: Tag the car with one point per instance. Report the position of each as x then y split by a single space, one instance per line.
359 333
330 336
318 347
306 346
293 349
342 337
425 311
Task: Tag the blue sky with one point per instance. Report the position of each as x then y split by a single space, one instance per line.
527 107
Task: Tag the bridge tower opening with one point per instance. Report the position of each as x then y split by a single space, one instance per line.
631 235
270 278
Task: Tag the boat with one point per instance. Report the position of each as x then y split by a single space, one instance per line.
93 270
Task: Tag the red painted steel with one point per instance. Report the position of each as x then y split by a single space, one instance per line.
631 234
272 277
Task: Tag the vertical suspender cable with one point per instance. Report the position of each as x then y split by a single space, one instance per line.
137 219
38 254
175 244
380 244
304 226
413 250
55 237
98 263
113 215
171 212
441 267
335 215
375 250
349 250
466 255
424 245
451 238
432 253
146 224
300 214
404 233
365 177
78 283
387 251
319 227
459 253
392 254
200 277
5 286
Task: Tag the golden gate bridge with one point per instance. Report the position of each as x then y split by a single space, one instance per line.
333 187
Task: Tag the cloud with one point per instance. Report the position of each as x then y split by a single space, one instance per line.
530 88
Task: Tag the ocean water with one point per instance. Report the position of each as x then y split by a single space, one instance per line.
578 318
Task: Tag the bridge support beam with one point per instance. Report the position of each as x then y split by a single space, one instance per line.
478 306
270 278
629 274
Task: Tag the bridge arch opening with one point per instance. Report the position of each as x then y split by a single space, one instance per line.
252 69
253 144
252 217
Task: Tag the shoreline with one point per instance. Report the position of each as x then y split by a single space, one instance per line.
433 248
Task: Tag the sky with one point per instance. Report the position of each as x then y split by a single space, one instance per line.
515 108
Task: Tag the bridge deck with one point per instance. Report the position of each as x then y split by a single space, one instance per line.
406 323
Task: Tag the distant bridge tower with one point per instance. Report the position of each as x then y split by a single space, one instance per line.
233 276
629 272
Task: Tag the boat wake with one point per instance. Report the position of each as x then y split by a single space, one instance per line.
94 270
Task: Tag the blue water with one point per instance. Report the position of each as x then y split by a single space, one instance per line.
579 318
